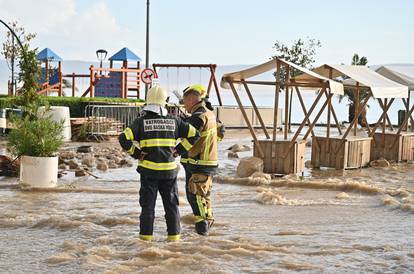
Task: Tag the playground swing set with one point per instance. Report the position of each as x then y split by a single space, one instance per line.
211 68
120 80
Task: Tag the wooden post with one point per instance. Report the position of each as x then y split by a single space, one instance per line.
383 129
213 73
407 109
287 68
92 82
73 84
259 116
303 107
290 109
276 107
328 133
356 106
334 116
259 148
384 120
410 117
139 79
210 82
328 129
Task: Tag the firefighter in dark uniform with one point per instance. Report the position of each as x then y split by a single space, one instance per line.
201 161
157 134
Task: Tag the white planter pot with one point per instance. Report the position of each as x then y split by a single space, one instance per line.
57 114
3 123
39 171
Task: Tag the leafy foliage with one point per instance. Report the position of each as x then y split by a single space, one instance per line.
29 74
40 138
76 104
302 52
33 134
11 50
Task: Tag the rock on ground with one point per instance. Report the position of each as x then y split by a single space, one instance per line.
89 161
262 175
342 195
102 166
232 154
72 164
239 148
80 173
248 166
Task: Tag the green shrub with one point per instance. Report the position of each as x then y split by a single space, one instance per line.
41 137
32 134
76 105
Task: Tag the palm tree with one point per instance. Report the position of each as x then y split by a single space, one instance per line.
349 94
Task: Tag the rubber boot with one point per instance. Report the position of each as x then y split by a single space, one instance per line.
202 228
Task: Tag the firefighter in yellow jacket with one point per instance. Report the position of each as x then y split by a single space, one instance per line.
201 161
157 134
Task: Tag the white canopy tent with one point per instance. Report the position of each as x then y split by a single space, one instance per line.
403 74
374 85
360 77
381 87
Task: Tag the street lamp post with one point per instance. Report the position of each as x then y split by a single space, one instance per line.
101 55
147 45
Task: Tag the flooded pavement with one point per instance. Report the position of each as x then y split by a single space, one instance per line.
327 221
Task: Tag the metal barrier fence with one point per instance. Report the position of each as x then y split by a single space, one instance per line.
111 120
107 120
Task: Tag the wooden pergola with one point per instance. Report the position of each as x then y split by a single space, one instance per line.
345 151
398 145
286 155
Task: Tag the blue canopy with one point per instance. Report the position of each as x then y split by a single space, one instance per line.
48 54
125 54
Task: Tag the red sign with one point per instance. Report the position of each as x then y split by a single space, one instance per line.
147 75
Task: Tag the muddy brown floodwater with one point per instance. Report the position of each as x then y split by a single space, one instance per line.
328 221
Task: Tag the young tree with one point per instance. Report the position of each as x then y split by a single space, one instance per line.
12 51
349 94
301 52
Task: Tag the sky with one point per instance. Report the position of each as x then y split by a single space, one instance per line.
225 32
